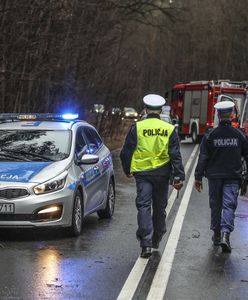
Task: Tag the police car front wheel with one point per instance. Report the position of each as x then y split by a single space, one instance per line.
77 215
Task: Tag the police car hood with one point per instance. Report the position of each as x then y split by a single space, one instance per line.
36 172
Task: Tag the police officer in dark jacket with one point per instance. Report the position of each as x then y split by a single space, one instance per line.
150 153
219 160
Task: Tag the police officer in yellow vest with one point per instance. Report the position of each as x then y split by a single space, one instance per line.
151 153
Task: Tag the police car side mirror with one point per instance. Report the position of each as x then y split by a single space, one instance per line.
88 159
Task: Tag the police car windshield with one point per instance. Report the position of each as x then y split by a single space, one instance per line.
35 145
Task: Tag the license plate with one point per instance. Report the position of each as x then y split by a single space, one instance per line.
7 208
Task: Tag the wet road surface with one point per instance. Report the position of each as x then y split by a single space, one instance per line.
50 265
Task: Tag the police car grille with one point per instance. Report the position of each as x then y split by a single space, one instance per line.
13 193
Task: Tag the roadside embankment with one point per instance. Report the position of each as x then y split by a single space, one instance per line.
112 129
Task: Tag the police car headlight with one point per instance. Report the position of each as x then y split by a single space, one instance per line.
55 184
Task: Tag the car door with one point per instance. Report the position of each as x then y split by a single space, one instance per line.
95 146
89 174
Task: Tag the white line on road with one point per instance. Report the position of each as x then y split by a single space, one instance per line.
174 192
138 269
160 280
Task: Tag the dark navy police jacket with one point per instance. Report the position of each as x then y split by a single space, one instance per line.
220 153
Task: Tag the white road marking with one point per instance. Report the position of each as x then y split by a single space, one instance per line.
138 269
160 280
173 195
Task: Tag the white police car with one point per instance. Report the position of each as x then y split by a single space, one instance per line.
53 172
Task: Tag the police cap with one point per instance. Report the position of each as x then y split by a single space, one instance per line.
224 106
153 101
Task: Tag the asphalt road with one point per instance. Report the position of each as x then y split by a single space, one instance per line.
97 265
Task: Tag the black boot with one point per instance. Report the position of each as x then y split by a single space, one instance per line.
216 238
146 252
225 243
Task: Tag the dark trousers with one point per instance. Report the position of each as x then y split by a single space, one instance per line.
223 197
151 201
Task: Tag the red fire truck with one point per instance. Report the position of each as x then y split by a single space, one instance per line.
192 104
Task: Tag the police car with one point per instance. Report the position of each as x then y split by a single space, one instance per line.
54 170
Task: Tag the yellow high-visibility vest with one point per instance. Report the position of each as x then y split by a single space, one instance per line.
152 145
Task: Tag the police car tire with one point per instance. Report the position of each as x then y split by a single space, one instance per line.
77 215
108 212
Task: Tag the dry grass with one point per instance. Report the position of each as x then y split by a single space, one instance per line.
112 130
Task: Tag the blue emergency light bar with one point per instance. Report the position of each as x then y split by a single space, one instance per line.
38 116
70 116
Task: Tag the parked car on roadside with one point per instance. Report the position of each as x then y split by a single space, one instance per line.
54 171
129 113
116 111
98 108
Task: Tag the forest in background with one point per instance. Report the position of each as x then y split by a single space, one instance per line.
57 55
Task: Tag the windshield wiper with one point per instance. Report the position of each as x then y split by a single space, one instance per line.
21 152
13 156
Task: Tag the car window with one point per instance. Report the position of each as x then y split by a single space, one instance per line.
93 139
35 145
81 146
